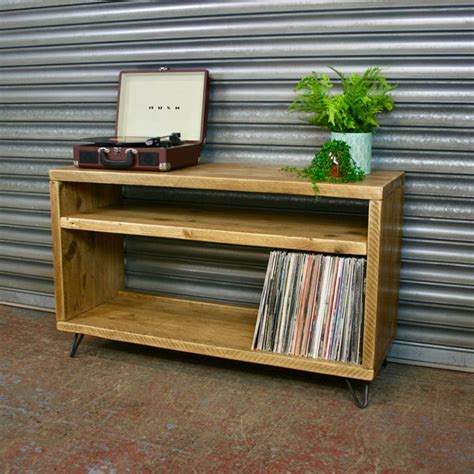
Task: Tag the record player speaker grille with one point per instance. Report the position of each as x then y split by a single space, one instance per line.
148 159
88 157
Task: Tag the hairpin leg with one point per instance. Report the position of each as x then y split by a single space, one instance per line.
75 344
360 403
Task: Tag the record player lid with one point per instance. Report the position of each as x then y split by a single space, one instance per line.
157 103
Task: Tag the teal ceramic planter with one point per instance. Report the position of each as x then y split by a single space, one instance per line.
361 148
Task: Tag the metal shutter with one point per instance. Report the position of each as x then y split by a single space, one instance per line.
59 63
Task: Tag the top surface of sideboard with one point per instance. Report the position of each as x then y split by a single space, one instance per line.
238 177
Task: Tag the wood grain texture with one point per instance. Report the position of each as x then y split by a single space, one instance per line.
389 277
193 326
285 230
372 283
383 275
238 177
56 233
88 266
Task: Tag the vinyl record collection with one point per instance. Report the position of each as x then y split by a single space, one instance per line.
312 305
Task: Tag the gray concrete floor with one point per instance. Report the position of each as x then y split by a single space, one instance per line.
119 408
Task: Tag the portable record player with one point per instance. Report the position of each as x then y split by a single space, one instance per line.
161 123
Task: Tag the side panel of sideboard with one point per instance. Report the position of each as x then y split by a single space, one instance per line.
88 266
383 274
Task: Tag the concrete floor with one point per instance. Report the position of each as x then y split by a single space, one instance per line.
124 408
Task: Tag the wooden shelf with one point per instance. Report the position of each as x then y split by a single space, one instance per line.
90 218
238 177
192 326
322 233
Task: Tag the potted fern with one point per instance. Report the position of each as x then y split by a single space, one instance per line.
351 115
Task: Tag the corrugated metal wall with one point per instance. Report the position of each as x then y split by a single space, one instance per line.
59 66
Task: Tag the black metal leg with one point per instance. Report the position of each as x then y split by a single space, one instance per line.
384 363
75 344
360 403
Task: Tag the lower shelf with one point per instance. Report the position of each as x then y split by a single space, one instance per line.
193 326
